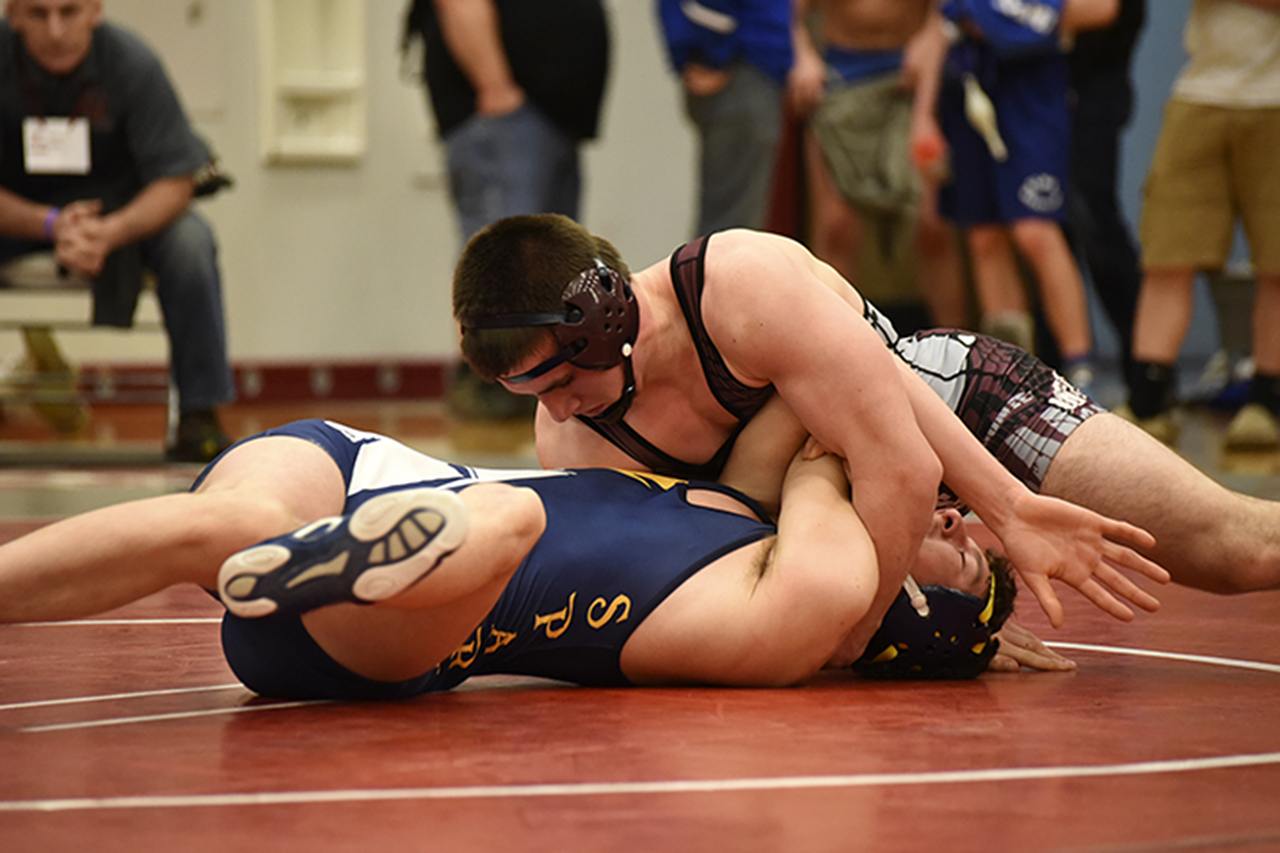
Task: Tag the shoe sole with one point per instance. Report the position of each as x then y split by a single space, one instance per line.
371 522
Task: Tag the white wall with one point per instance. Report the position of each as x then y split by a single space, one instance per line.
353 263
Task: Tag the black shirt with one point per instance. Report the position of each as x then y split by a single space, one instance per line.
1109 49
558 52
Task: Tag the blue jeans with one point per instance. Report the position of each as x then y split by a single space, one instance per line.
738 131
511 164
184 260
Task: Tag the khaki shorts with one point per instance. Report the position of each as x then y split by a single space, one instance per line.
1212 167
864 130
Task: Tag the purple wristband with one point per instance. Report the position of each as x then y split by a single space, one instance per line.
49 219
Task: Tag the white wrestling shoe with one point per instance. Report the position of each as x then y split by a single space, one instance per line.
388 544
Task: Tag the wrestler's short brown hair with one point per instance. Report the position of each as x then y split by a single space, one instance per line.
520 265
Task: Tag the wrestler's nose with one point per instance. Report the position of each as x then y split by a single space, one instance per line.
948 523
561 407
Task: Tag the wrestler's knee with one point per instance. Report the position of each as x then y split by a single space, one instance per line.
222 522
506 520
1251 567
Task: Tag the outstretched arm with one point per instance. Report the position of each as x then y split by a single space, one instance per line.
1044 537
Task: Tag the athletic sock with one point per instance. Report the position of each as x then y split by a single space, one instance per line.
1151 388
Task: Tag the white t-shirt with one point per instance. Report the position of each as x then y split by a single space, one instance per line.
1235 56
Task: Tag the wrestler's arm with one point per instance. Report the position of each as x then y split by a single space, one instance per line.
767 617
762 453
1044 537
776 321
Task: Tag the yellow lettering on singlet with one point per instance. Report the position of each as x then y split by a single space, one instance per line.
498 639
651 480
610 608
558 622
465 655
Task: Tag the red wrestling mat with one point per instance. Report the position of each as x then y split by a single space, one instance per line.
128 732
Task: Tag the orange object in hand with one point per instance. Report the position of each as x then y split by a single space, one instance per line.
926 151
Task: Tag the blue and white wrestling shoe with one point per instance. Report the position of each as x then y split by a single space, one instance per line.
384 547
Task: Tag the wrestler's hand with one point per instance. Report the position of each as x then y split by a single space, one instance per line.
1047 538
815 461
1019 648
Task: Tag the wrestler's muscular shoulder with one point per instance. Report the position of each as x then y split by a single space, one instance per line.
750 277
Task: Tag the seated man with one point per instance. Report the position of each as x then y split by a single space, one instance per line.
665 367
97 162
595 576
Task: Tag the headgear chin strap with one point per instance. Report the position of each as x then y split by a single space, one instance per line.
596 330
954 641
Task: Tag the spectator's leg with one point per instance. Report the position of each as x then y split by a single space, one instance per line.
500 166
1187 222
1061 289
835 230
1002 302
184 259
738 131
1257 425
1254 141
1098 226
1164 315
940 269
509 165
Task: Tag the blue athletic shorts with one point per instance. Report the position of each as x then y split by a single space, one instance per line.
1030 97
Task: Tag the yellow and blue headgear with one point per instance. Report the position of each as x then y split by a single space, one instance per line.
954 640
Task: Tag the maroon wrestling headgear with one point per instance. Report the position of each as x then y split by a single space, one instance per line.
596 330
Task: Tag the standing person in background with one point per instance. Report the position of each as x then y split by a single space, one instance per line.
515 88
1101 80
1006 117
874 153
1215 163
98 163
733 57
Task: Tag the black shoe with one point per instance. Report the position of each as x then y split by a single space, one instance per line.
199 439
387 545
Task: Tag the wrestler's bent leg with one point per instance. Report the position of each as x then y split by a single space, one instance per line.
411 632
1207 536
110 557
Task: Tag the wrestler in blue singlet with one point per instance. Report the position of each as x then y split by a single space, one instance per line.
615 546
